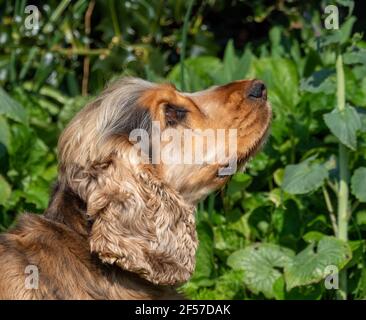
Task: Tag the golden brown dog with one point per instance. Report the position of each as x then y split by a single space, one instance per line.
118 227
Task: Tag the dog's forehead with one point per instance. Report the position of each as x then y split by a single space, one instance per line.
199 93
231 86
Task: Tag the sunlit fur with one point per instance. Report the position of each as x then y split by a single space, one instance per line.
116 228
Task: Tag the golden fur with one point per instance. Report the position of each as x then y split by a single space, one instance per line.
116 228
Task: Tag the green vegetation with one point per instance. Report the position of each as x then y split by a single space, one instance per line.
300 207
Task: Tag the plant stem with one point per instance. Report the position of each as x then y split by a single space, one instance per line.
56 15
117 30
329 205
343 189
184 44
80 51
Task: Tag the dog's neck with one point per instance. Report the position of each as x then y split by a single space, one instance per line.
67 208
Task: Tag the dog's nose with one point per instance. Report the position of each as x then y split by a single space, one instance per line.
257 90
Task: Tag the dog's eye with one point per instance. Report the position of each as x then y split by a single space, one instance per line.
174 114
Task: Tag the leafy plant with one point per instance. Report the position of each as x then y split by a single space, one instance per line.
274 230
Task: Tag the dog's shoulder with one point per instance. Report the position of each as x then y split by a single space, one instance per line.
32 230
42 247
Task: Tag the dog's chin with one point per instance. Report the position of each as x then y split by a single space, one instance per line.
246 156
257 144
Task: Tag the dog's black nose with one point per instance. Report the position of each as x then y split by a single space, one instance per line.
258 90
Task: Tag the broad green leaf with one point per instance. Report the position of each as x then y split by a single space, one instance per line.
303 177
320 81
11 108
261 264
5 190
358 184
344 125
312 264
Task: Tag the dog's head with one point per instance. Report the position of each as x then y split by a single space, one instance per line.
141 199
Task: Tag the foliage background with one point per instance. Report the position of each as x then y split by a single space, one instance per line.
270 233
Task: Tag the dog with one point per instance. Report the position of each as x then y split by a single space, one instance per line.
118 227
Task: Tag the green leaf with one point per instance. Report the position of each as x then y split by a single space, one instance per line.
278 176
275 72
201 70
313 236
358 184
239 182
279 288
346 29
361 286
311 264
355 57
5 190
37 193
344 125
229 285
320 81
311 292
230 61
204 255
11 108
361 218
261 264
303 177
4 132
342 35
242 66
227 239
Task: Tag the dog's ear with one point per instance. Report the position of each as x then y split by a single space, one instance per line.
140 224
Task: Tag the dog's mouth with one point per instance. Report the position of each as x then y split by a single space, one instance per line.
259 142
254 149
243 158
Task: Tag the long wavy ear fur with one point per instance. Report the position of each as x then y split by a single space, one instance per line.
141 225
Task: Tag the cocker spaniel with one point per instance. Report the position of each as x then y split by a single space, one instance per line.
121 225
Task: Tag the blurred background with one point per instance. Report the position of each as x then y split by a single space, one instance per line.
276 231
